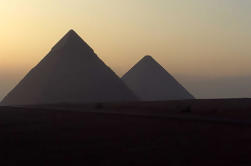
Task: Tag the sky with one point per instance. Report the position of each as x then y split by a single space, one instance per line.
204 44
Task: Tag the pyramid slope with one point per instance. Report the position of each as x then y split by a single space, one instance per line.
151 82
71 72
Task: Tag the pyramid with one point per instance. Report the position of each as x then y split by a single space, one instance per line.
151 82
71 72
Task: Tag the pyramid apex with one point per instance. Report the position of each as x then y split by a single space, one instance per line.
148 57
72 41
71 31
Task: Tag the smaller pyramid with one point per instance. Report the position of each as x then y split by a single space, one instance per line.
151 82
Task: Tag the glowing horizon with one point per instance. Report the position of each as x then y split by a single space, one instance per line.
208 39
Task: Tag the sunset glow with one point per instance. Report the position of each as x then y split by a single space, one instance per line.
191 39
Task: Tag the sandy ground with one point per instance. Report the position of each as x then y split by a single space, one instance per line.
192 132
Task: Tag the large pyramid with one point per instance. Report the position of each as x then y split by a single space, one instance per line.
71 72
151 82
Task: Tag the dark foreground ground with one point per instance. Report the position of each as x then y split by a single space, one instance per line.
174 133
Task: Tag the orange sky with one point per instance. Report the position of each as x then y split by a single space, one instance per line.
191 39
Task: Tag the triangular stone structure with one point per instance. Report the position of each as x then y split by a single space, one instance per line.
71 72
151 82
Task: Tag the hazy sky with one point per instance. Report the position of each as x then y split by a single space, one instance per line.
205 44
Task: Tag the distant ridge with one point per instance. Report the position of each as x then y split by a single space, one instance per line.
71 72
151 82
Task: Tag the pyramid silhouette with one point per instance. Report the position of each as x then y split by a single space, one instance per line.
71 72
151 82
